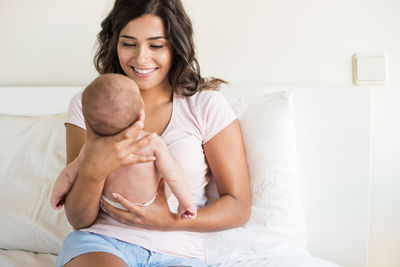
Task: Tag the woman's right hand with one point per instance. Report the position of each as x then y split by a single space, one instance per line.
103 155
106 154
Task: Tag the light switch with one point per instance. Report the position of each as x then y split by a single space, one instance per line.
369 69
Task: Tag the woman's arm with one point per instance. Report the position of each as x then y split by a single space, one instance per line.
75 138
103 155
226 157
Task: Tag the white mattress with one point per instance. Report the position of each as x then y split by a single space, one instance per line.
13 258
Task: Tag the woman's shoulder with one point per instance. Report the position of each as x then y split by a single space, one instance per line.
74 114
203 97
206 104
212 112
76 100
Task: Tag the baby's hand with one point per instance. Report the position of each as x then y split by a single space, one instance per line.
57 203
187 212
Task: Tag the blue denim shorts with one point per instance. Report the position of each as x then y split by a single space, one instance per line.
78 243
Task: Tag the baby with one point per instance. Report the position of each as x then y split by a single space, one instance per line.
110 104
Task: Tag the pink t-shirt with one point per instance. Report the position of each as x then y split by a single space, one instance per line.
194 121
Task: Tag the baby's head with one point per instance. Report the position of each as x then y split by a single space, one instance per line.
111 103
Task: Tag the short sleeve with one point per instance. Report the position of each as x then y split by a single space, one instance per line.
75 115
216 113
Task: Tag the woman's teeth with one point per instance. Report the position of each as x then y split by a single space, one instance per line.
143 71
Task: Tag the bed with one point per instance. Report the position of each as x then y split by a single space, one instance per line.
32 139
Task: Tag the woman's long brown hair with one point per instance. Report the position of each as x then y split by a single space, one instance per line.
184 75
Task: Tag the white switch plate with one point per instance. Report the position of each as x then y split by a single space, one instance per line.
369 68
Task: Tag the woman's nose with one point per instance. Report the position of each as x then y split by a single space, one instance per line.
142 55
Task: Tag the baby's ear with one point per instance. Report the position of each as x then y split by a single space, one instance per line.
141 116
90 135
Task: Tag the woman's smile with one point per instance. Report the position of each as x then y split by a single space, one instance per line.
143 72
144 52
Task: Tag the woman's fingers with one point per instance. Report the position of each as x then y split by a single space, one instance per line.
156 216
120 215
131 132
125 145
126 203
132 216
142 142
133 159
136 145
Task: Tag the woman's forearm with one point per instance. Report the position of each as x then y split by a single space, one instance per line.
82 202
225 213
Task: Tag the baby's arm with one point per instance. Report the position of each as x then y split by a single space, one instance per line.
173 175
65 181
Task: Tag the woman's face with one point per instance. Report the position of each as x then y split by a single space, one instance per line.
144 52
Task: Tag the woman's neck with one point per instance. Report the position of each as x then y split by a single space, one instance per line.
158 109
156 96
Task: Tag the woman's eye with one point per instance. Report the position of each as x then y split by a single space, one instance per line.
156 46
128 45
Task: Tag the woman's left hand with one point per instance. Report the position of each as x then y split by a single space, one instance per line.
156 216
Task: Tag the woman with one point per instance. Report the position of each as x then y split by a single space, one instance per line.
151 42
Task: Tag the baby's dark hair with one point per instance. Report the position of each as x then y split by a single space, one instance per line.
111 103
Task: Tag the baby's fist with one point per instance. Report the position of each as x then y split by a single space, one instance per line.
57 203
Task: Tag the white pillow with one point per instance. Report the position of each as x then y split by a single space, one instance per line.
31 156
29 167
277 225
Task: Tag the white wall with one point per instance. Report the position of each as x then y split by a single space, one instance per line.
259 42
384 242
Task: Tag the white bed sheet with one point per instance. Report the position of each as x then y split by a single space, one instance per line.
18 258
14 258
